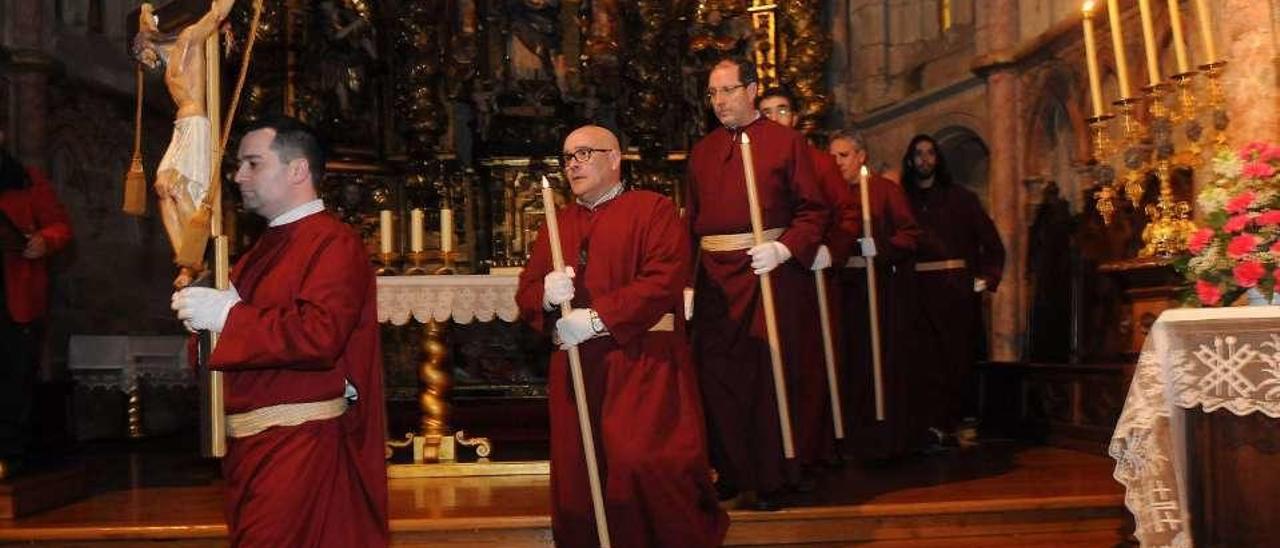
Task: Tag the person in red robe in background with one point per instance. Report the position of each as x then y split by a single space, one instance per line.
812 404
894 233
299 345
630 260
730 341
35 227
959 257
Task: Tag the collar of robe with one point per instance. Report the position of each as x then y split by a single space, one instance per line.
298 213
609 195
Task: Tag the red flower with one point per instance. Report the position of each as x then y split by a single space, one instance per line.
1240 203
1208 292
1248 151
1275 248
1237 223
1258 170
1199 239
1241 245
1270 217
1270 154
1247 273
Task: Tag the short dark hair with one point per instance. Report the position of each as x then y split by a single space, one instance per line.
746 68
294 139
779 91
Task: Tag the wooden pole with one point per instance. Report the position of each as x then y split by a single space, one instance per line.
575 370
829 352
214 443
766 295
873 305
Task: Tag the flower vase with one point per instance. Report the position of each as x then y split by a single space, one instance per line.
1256 298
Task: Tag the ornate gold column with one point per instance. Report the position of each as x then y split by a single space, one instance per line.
433 399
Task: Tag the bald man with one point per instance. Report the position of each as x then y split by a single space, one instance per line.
631 259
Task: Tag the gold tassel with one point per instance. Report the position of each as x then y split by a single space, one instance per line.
195 238
135 181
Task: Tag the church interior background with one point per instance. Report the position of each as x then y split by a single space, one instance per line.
461 105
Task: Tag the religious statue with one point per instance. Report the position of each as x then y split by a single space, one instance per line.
182 179
1049 258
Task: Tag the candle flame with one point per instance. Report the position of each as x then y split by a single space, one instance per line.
545 182
863 172
1088 7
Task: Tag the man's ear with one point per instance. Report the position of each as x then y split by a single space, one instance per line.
299 171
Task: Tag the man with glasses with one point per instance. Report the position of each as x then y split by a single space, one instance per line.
728 320
813 424
633 261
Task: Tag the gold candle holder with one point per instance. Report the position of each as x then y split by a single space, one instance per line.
1216 104
447 257
1103 173
1134 156
417 262
387 264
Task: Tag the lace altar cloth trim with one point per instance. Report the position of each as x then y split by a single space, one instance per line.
460 298
1208 358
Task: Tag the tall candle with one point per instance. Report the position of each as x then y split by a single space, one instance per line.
1091 59
1117 43
1179 48
1149 42
1206 32
415 230
446 230
384 223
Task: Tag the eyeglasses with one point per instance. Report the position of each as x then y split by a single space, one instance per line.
712 93
582 155
779 111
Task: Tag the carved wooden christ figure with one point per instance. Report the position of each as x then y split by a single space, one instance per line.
182 179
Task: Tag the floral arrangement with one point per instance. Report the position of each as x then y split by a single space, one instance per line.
1238 247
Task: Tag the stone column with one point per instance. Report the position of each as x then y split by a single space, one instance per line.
1007 310
29 77
1251 81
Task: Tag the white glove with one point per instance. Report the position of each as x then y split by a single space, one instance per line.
767 256
868 246
688 303
557 288
204 308
979 285
823 258
574 328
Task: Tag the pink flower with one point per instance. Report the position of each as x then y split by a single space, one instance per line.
1237 223
1275 248
1248 151
1199 239
1240 203
1208 292
1270 217
1258 170
1241 245
1270 154
1247 273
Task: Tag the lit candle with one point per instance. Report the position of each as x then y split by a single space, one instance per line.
446 230
1091 59
1149 42
1117 43
415 230
1206 32
1179 48
384 222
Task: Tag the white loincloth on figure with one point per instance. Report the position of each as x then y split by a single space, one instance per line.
189 155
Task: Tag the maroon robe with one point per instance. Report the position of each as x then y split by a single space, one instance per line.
728 322
949 319
306 324
895 232
632 262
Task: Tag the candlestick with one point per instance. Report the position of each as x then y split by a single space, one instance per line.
1179 48
1117 43
415 230
1206 32
1091 60
384 223
446 230
1149 43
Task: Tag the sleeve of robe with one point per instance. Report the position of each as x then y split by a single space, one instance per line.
906 232
309 333
845 224
51 218
810 212
632 308
989 263
529 291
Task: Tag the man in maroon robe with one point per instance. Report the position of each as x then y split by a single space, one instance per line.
812 404
630 261
959 257
728 320
299 346
893 244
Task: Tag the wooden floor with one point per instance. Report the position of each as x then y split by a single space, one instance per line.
998 495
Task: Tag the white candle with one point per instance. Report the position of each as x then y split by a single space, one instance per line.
1206 32
1179 48
446 230
384 223
1091 59
1117 43
1149 42
415 230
